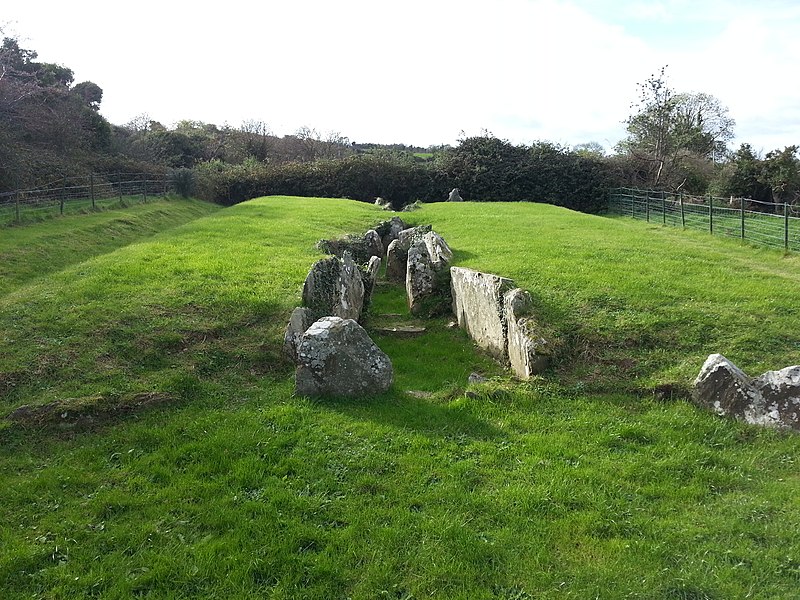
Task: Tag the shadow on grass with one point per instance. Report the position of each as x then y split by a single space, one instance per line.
421 415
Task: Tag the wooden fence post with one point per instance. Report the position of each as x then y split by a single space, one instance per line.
683 215
711 214
741 200
633 204
663 207
647 206
119 185
786 226
63 194
144 189
16 201
91 188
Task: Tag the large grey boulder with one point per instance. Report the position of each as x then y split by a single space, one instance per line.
428 275
455 196
528 351
299 321
407 237
772 400
334 287
478 306
336 357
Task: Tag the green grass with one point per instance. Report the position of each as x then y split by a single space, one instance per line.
222 484
28 252
35 212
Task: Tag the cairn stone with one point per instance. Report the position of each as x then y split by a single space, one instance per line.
772 399
408 236
478 304
336 357
528 351
455 196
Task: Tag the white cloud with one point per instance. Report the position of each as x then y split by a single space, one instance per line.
419 71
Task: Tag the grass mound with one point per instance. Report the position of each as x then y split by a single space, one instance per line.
225 485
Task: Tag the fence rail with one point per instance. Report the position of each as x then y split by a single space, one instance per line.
761 223
72 195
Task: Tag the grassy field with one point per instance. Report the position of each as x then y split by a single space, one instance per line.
169 458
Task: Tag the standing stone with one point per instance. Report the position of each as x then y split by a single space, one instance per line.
390 231
407 237
373 243
428 276
397 252
478 307
298 323
336 357
369 276
351 291
396 259
455 196
527 350
772 400
334 287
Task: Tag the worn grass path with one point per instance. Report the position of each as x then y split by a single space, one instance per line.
220 483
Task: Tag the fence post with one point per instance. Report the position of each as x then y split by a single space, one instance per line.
63 193
16 201
663 207
144 189
683 215
711 214
119 185
91 188
741 201
633 204
786 226
647 206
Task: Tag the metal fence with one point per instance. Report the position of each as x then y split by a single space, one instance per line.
761 223
72 195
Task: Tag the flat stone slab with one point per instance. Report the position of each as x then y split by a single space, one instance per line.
402 330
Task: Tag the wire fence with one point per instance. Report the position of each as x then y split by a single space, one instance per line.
761 223
82 194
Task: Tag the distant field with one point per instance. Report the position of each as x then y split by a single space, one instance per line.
171 459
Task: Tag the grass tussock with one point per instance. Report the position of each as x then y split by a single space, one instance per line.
565 486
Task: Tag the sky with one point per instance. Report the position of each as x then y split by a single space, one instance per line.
425 72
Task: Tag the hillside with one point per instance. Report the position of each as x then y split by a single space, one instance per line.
178 463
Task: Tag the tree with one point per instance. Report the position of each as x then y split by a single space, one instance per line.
670 131
90 93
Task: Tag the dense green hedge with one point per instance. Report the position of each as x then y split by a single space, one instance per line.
483 168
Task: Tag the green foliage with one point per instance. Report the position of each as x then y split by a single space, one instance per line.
183 182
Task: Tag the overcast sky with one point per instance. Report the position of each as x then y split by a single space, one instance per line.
423 72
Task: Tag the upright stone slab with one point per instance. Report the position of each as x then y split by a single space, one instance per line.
455 196
336 357
361 248
369 276
396 259
427 275
389 231
334 287
772 400
528 351
397 252
478 307
299 321
351 291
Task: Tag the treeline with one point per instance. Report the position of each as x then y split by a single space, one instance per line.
51 128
